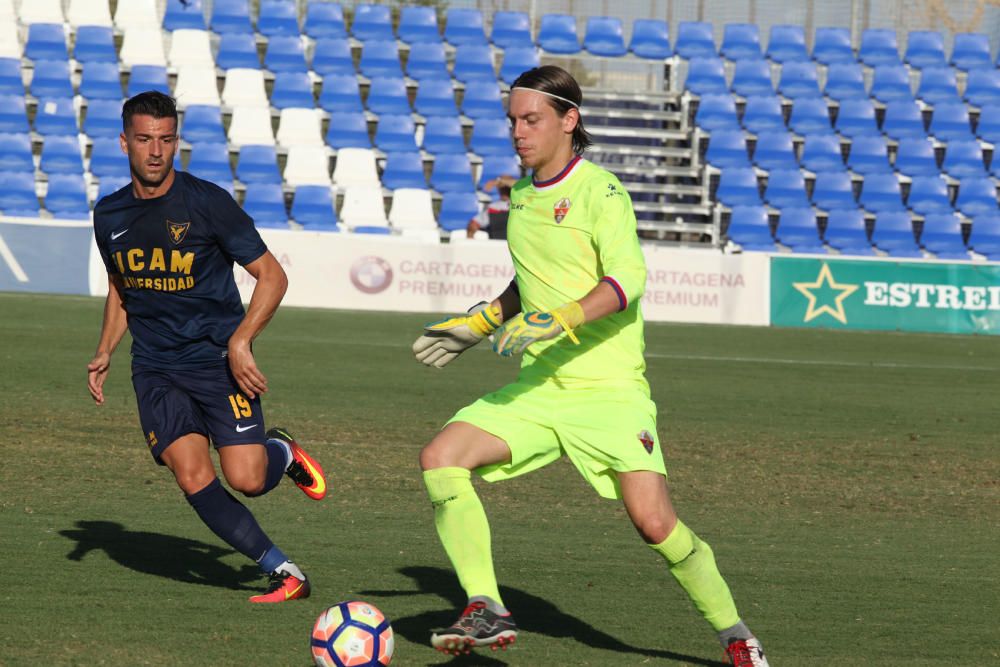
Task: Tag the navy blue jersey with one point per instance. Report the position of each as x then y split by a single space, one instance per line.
175 255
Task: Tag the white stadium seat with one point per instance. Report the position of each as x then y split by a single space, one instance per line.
355 166
299 127
412 208
89 12
10 44
244 88
363 207
7 12
143 46
132 14
190 47
196 85
41 11
307 165
251 125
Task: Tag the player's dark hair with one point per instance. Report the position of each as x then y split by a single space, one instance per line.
503 190
150 103
557 82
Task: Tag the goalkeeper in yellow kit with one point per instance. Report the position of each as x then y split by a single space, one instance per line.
573 312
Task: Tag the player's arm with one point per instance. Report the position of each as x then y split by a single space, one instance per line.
267 294
112 330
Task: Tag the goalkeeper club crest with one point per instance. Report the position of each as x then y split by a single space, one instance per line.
560 209
177 230
647 440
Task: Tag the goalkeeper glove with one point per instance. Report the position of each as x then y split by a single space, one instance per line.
445 340
521 331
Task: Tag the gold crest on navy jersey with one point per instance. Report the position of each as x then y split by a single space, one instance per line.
177 230
560 209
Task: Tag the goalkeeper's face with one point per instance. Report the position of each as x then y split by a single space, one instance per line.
150 144
543 138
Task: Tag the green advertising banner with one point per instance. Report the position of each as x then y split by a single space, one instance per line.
886 295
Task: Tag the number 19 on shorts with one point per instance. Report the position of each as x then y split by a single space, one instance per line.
241 406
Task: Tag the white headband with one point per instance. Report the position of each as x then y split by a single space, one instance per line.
542 92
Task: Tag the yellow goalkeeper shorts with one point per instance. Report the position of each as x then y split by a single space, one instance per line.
603 431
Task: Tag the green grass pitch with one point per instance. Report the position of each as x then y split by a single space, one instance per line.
848 483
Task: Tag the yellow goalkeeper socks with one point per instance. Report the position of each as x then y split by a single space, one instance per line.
693 565
463 528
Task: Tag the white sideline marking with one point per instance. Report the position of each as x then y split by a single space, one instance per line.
8 257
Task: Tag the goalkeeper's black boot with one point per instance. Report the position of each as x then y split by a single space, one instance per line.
477 626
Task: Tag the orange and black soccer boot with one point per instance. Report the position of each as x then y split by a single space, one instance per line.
282 587
304 470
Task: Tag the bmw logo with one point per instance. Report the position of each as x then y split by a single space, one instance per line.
371 274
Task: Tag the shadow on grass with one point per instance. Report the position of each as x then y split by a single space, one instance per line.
533 614
177 558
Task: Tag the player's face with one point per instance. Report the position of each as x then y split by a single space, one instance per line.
151 144
543 139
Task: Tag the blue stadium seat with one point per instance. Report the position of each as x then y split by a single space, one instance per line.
210 161
916 157
202 124
516 61
107 159
147 77
937 85
833 191
929 195
822 152
984 237
278 18
786 188
880 193
436 97
418 25
427 62
333 56
963 157
762 114
893 233
258 164
61 155
464 26
443 135
971 51
13 115
101 80
324 19
387 94
869 155
988 129
238 49
372 21
799 79
482 100
67 197
950 121
183 14
457 208
340 93
706 75
95 43
650 39
285 54
787 43
451 173
511 29
798 230
878 47
832 46
891 83
313 208
942 235
495 166
491 136
395 132
604 36
51 79
17 194
982 87
350 131
380 58
11 82
738 187
727 148
904 120
925 48
55 115
46 41
845 81
847 232
810 115
474 61
231 16
856 118
15 153
717 112
695 39
740 40
976 195
750 228
265 203
110 185
404 169
292 89
104 118
752 76
775 151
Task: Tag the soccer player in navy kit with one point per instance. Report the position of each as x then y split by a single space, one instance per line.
169 241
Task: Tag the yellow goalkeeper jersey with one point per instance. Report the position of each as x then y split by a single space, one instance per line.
565 236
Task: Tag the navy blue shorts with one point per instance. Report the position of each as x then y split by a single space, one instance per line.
173 403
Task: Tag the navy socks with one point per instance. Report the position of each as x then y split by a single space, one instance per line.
231 520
